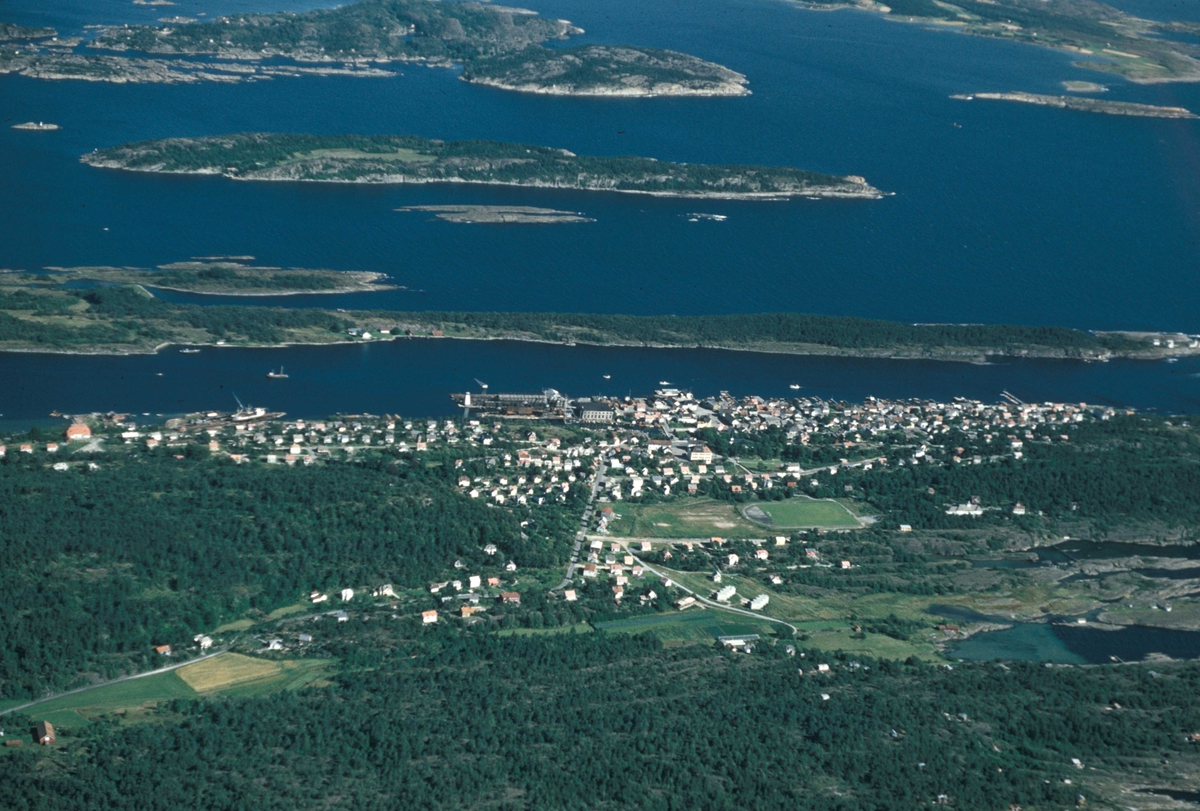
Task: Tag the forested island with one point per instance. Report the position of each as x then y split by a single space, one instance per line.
1084 105
497 45
411 159
603 70
1105 38
122 320
225 277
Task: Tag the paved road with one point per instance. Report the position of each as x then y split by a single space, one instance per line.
712 603
581 536
166 669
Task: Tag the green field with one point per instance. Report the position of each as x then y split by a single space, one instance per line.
696 625
577 628
131 695
800 512
229 674
684 518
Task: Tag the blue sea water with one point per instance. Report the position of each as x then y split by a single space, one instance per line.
1021 214
416 377
1018 214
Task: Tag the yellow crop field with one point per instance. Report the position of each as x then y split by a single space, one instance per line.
226 670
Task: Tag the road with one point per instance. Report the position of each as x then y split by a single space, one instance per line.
581 536
166 669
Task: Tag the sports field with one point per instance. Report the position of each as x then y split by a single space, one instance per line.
800 512
683 518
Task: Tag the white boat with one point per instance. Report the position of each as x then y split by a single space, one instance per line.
189 351
280 375
794 387
664 382
608 377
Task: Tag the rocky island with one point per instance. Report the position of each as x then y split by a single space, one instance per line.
1085 105
229 277
603 70
510 215
411 159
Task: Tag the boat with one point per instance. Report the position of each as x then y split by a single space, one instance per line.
608 377
664 382
794 387
189 351
280 375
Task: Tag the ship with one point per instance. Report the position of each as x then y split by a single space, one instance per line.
280 375
189 351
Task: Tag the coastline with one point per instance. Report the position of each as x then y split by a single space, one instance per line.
271 293
852 191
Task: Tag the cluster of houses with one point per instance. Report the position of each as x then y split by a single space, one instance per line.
655 443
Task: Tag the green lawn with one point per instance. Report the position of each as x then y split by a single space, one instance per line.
800 511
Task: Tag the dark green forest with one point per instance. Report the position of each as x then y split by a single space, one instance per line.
455 720
150 549
116 315
784 328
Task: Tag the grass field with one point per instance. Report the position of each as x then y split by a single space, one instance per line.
578 628
236 625
800 512
685 518
228 674
132 695
696 625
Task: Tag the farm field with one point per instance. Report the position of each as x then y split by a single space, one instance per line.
800 512
233 673
229 674
684 518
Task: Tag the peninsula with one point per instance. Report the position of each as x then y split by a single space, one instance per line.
411 159
128 320
1105 38
496 45
1084 105
230 278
